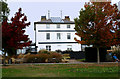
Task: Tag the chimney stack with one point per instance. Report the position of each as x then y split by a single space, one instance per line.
43 18
67 18
61 14
48 14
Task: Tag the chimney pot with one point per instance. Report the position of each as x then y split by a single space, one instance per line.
43 18
67 18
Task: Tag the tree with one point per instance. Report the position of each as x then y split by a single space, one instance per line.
4 10
96 25
118 30
13 36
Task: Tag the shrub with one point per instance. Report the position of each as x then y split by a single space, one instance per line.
38 58
20 55
26 55
51 52
30 58
44 56
54 57
43 51
14 56
58 51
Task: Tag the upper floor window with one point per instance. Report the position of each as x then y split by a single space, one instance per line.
68 26
58 25
47 26
47 36
68 36
58 36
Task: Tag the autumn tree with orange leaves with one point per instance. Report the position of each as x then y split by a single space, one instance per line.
97 25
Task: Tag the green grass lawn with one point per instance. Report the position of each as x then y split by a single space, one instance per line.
61 70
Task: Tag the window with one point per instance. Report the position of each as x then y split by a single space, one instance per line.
48 48
58 25
69 47
68 26
58 36
47 26
68 36
48 36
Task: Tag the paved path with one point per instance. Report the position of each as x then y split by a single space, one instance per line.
71 61
74 61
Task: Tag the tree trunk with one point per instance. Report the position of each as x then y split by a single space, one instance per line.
98 55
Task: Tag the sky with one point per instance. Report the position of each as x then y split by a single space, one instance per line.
34 9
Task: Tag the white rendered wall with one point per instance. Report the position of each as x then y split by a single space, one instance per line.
41 37
63 47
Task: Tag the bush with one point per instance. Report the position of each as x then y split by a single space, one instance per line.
58 51
20 55
51 52
43 51
38 58
54 57
44 56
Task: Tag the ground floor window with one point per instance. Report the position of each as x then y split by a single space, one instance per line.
69 47
48 48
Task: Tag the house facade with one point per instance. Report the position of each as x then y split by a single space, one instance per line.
56 34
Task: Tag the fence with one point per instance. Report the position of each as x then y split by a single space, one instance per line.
75 54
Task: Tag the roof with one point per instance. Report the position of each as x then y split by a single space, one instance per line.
54 20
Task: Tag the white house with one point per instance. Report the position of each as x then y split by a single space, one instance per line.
55 34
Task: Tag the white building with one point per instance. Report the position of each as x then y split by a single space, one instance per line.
56 34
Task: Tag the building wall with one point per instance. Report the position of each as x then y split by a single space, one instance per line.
41 37
62 47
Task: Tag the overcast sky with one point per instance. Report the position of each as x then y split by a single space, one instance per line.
33 9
